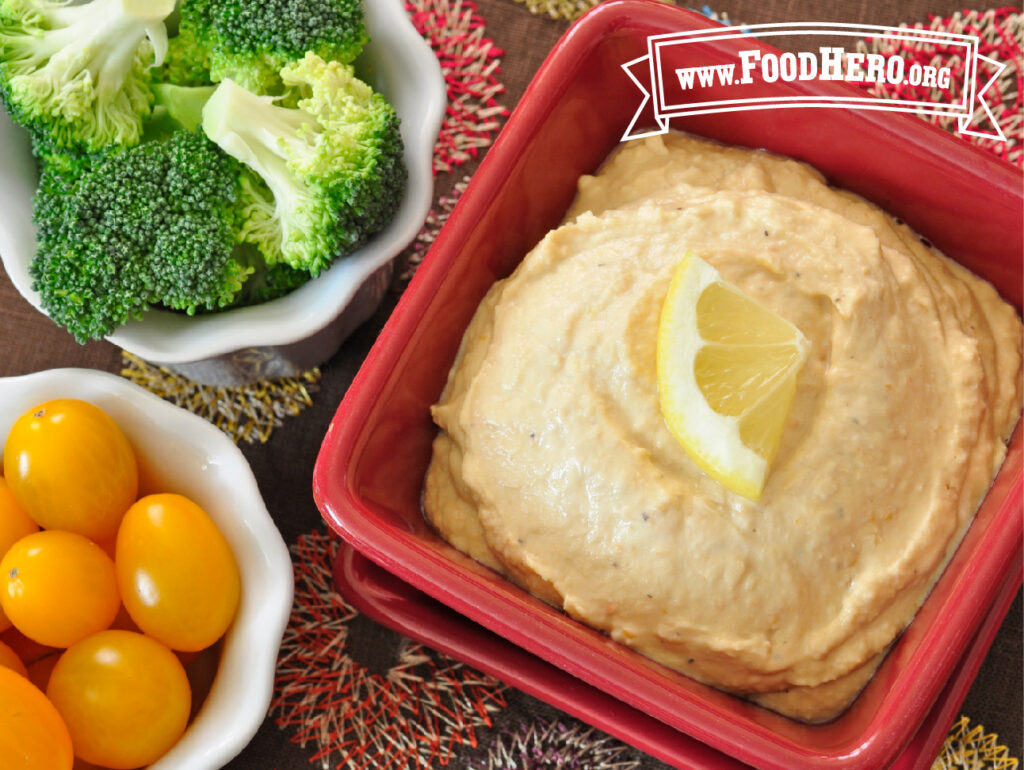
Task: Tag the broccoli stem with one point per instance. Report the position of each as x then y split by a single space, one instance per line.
77 72
103 36
183 103
254 130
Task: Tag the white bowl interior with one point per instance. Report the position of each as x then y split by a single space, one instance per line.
399 64
180 452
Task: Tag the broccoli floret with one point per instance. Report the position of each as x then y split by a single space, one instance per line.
267 282
78 73
250 42
332 165
57 178
156 223
50 155
187 62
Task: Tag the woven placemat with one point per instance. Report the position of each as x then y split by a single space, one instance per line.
247 413
1000 34
969 747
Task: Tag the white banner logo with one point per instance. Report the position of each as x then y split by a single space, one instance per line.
676 78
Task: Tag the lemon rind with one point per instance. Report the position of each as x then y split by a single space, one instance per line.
711 440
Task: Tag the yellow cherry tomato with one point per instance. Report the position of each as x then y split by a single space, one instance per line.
9 659
70 467
58 587
124 697
14 525
32 734
178 577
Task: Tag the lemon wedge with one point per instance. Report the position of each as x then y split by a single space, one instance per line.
727 369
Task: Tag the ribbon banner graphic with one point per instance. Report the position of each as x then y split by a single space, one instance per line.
725 70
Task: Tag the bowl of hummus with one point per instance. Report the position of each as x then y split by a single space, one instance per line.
502 449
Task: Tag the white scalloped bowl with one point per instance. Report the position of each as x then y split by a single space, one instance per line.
180 452
305 328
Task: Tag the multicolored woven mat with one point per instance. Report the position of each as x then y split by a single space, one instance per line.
1000 33
352 695
357 699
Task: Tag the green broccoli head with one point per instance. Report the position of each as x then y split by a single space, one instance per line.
78 73
53 157
154 223
250 42
332 165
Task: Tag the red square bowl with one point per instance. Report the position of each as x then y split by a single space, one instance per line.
370 470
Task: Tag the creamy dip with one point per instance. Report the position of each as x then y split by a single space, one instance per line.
554 465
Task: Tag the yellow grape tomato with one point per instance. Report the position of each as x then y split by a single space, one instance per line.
124 697
178 577
14 525
33 735
71 467
58 587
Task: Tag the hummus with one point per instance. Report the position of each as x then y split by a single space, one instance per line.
554 465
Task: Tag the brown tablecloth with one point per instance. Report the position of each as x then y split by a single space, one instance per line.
283 465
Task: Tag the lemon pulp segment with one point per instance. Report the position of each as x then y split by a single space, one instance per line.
727 369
